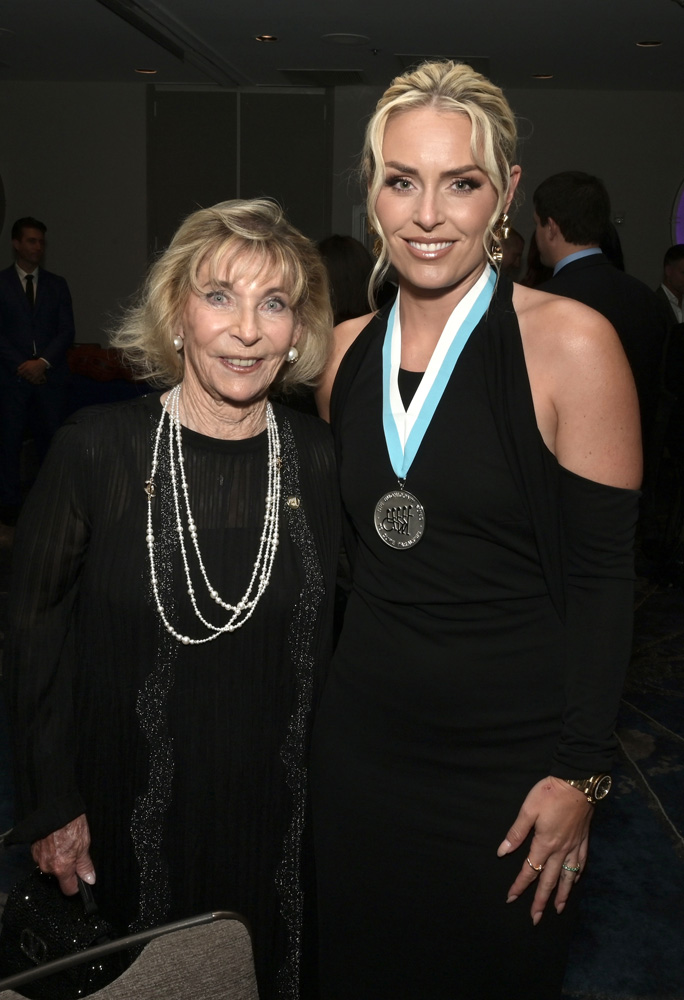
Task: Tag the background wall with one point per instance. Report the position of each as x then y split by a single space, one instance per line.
75 155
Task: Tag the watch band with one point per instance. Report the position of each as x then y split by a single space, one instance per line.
594 788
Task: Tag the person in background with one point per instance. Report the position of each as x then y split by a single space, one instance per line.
349 265
536 273
36 331
611 246
488 445
512 249
671 290
171 603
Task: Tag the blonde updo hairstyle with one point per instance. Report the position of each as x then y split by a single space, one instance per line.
234 238
445 86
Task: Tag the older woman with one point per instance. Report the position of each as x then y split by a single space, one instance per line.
172 595
488 437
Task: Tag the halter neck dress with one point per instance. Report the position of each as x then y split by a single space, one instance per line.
469 667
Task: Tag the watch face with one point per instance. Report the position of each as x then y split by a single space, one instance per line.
603 787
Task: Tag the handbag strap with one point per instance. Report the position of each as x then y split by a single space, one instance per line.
87 897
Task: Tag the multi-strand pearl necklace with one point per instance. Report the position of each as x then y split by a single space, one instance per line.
261 573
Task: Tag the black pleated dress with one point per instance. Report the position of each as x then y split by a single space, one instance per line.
469 667
188 760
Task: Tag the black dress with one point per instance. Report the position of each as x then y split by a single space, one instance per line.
469 667
189 761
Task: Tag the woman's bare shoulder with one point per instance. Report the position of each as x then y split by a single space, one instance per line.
556 315
344 336
561 325
582 387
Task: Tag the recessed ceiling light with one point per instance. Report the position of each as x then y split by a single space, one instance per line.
542 76
648 45
266 38
344 38
146 72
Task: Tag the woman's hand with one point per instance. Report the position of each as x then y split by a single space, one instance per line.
64 853
560 816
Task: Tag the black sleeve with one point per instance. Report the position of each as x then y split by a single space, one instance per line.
598 524
50 546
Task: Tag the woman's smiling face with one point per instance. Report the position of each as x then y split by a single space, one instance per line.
436 203
236 334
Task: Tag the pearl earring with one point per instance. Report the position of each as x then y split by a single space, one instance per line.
178 343
292 355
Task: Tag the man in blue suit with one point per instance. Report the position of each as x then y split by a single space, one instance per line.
36 330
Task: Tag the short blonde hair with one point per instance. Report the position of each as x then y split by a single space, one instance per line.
446 86
254 235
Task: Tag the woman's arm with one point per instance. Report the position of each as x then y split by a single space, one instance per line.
50 545
587 412
344 336
582 387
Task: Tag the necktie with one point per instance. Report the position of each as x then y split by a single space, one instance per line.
29 290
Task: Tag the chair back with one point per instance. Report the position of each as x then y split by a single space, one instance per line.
207 958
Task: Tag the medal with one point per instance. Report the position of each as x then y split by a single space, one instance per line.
399 517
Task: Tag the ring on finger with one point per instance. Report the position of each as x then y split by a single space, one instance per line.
535 868
571 868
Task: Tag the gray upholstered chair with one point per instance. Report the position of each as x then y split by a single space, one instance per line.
207 957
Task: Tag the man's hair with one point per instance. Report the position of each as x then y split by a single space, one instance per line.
578 203
673 254
28 222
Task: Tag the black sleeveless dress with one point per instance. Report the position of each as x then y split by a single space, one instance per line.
469 667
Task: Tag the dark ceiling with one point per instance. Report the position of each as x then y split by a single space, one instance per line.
585 44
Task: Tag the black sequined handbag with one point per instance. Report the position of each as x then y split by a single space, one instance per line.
40 923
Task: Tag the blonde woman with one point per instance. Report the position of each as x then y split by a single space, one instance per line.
489 455
171 600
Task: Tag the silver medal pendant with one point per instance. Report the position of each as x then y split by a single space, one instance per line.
400 519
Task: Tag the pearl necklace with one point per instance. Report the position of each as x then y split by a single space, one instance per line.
261 573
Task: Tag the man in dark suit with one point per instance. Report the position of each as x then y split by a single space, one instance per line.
36 330
571 214
671 291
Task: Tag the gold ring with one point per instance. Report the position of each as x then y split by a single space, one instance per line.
535 868
570 868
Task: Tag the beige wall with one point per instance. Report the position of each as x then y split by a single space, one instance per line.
73 155
630 139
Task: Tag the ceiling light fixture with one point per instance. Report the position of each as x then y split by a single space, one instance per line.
648 45
266 38
542 76
146 72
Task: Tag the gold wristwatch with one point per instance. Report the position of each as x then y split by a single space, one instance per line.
595 788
